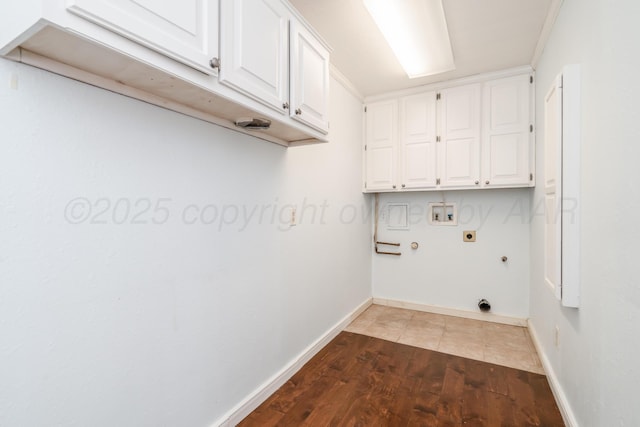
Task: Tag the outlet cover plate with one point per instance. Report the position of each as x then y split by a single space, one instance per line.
469 236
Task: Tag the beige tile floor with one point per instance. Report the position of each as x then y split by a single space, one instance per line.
504 345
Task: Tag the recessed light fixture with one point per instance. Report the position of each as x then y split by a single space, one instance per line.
417 32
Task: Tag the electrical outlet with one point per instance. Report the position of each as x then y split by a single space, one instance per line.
469 236
556 339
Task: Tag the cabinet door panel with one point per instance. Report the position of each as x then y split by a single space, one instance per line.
309 79
418 141
419 165
186 31
506 154
254 49
507 136
381 174
460 162
381 145
460 141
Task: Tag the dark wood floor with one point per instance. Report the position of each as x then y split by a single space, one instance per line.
358 380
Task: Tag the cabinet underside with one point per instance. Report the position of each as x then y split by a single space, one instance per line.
61 52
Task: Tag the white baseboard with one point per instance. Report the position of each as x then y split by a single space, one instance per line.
488 317
248 405
561 398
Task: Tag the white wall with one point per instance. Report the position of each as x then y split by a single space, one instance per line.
447 272
596 363
108 322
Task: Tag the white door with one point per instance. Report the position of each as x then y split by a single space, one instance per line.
459 149
309 79
553 187
418 141
381 145
571 184
562 186
254 50
186 31
507 134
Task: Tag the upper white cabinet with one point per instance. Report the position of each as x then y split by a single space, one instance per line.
186 31
216 60
418 155
254 50
507 132
309 79
381 145
267 54
460 136
470 136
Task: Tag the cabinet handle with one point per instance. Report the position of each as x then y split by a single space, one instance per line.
215 63
285 105
298 111
486 182
477 182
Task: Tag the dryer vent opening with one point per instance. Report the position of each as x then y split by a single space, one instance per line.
484 305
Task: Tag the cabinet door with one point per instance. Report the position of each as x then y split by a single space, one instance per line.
254 50
459 148
418 141
381 149
309 79
186 31
506 143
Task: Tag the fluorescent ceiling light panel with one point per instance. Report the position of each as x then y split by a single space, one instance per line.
417 32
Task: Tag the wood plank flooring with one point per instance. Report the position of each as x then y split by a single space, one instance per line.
357 380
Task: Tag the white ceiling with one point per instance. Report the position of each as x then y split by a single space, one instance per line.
486 35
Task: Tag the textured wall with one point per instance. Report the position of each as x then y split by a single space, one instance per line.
596 360
445 271
148 275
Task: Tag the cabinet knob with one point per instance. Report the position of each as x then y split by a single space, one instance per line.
285 105
298 111
477 182
403 185
215 63
394 187
486 182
